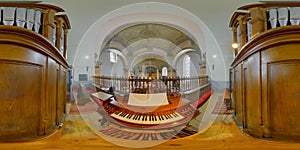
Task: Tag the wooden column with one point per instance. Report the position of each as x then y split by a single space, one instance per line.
243 31
58 33
48 23
259 23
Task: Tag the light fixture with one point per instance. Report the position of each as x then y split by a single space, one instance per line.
214 56
86 57
234 45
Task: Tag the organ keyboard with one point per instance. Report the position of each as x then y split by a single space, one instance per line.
147 118
144 116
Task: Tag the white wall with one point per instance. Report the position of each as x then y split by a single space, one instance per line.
108 68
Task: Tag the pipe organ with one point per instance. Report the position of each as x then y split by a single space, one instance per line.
33 69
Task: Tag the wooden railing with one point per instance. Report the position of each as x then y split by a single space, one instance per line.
40 18
256 19
147 85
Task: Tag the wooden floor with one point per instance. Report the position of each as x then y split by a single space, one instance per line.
221 134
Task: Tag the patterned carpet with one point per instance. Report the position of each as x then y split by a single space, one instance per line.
220 107
85 108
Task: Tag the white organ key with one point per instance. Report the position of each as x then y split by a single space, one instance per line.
159 118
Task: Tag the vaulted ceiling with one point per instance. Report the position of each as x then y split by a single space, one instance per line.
150 40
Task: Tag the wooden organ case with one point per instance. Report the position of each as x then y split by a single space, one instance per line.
33 70
265 70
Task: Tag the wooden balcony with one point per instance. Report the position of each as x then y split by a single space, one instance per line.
44 19
264 72
252 20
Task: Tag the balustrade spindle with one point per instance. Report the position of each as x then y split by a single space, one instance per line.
273 17
21 17
249 29
54 34
62 40
283 16
238 38
295 15
9 15
37 21
30 18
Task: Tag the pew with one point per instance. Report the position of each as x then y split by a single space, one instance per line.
227 98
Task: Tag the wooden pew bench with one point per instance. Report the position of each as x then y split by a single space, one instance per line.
227 98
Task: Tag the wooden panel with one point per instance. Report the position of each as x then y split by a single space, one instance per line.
29 65
61 95
279 55
20 99
238 95
252 92
22 54
51 98
284 98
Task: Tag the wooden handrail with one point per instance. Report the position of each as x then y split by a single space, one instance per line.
32 5
265 4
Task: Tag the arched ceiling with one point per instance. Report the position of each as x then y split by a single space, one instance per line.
139 38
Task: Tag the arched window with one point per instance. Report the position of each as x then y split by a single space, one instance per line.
164 72
187 66
113 57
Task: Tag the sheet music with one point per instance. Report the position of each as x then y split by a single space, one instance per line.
156 99
102 96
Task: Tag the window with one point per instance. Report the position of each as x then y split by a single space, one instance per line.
164 72
113 57
187 66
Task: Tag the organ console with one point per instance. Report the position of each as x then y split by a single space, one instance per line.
164 116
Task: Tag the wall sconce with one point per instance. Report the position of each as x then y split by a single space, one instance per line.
234 45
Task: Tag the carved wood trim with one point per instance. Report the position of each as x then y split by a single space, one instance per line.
24 37
270 38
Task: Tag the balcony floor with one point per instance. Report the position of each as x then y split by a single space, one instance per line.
221 133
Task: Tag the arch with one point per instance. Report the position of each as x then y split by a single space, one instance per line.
158 53
179 54
152 12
